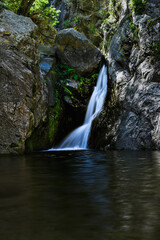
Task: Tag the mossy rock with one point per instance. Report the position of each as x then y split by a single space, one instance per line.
44 136
47 33
76 51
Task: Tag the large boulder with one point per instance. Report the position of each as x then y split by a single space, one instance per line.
22 90
131 116
84 16
76 51
20 32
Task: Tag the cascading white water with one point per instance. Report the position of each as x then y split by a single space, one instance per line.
78 139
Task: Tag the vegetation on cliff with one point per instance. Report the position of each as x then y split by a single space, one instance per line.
36 9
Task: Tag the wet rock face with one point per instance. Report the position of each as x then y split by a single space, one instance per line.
22 91
76 51
131 117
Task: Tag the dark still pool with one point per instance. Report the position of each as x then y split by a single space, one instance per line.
80 195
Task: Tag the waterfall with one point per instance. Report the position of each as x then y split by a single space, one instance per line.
78 139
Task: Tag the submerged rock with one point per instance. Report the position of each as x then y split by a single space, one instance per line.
76 51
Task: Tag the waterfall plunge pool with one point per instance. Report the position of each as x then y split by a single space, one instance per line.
75 195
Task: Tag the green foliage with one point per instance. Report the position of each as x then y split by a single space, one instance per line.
103 12
67 24
107 43
111 19
72 24
64 72
151 22
39 9
86 83
77 19
31 147
55 115
92 28
134 29
45 12
3 5
110 12
156 49
12 4
137 5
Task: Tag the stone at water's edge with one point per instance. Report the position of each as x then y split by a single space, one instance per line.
76 51
131 117
23 95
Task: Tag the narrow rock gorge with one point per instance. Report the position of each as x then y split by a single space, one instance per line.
47 74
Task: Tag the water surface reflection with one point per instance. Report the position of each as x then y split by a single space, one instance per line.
79 195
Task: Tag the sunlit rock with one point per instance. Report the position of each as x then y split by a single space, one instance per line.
76 51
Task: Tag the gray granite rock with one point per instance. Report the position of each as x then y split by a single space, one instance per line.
23 95
76 51
131 116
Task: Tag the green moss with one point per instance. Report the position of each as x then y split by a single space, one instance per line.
107 43
92 28
20 141
137 5
3 5
67 24
70 43
156 49
43 137
31 147
64 72
54 118
134 29
111 19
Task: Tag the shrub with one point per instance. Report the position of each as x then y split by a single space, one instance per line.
67 24
39 9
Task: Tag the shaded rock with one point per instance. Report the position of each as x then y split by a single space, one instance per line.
47 58
76 51
23 95
22 99
131 116
72 84
73 96
47 62
50 79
